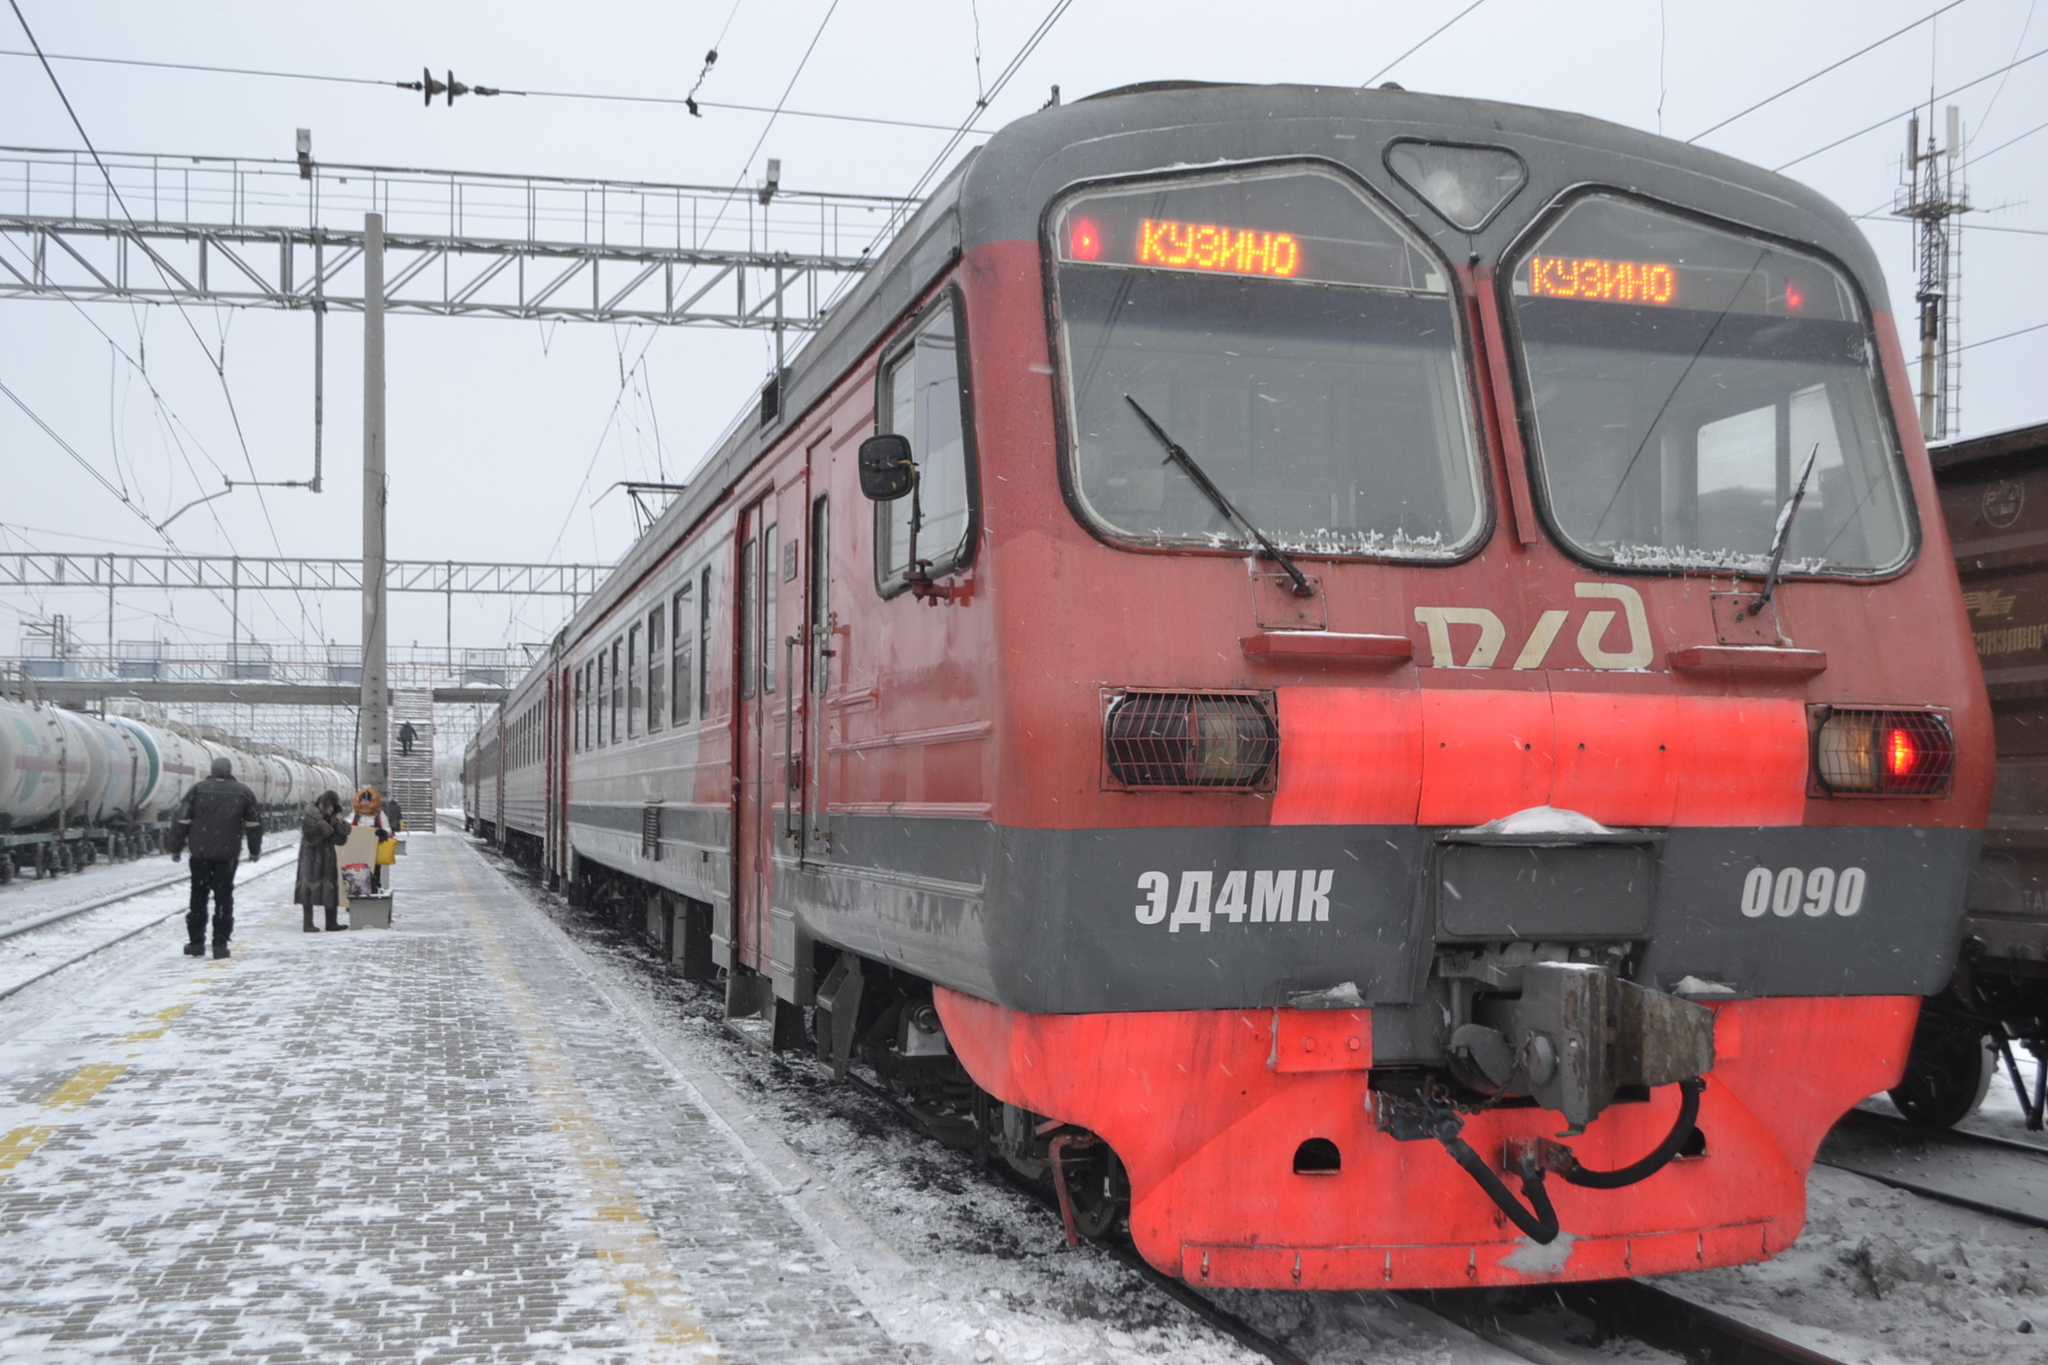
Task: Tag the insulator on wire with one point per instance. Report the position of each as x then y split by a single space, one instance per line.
429 87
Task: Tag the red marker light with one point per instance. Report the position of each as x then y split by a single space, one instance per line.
1901 754
1793 298
1085 243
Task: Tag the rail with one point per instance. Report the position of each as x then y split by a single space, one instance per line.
15 988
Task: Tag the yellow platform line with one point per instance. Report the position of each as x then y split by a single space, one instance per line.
83 1086
651 1299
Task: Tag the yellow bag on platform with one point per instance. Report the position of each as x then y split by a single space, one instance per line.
387 853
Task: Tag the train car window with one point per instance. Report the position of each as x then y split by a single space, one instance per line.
657 669
1680 376
766 581
1298 339
636 681
704 644
618 698
821 583
750 615
598 699
682 626
924 396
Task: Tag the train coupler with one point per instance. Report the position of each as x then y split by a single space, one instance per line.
1576 1035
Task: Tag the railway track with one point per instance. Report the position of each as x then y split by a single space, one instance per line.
1991 1175
1630 1309
58 916
72 912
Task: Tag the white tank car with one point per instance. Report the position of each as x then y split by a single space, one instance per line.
51 758
31 745
129 771
286 789
185 762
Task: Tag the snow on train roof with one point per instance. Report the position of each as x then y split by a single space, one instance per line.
1001 191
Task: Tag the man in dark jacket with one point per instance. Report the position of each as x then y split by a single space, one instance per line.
213 819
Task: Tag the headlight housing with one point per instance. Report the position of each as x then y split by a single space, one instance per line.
1191 739
1869 751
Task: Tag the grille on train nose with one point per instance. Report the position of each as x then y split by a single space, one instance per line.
1191 739
1871 752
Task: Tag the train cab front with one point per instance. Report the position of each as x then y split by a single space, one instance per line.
1507 757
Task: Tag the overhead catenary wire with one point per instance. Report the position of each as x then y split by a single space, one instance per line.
2002 336
1424 43
773 115
219 363
606 97
87 465
1992 103
939 162
625 375
1889 119
1831 66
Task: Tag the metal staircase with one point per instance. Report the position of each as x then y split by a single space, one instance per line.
412 774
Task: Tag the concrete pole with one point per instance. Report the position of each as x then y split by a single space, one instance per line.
371 769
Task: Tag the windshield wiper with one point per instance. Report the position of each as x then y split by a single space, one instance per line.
1783 534
1176 454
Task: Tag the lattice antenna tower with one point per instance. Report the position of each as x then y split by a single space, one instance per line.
1935 191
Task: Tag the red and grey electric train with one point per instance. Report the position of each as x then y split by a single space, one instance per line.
1354 677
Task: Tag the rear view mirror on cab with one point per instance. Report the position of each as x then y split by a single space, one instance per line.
886 469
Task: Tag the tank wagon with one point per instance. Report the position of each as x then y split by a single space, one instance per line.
1994 497
76 786
1353 678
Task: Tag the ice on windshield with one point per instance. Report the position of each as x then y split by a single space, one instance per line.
1680 376
1298 342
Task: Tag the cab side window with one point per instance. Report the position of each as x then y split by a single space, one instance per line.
924 396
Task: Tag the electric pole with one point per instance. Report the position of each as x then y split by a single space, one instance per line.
371 769
1934 193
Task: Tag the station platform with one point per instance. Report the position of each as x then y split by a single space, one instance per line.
444 1141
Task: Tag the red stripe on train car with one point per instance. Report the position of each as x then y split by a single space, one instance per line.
1394 756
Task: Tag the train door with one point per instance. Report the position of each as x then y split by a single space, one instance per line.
788 704
566 731
811 824
503 757
753 826
550 789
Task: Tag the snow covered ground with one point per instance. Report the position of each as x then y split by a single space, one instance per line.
504 1131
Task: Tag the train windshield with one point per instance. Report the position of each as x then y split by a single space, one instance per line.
1297 341
1682 381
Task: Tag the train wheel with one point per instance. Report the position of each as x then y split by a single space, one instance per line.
1948 1072
1100 1189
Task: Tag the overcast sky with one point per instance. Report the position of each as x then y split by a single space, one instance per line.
503 433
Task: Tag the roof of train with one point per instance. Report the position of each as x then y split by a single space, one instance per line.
1967 458
1001 191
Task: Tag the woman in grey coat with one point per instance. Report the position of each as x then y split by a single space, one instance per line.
322 829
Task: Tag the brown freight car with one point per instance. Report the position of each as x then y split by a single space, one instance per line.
1994 496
